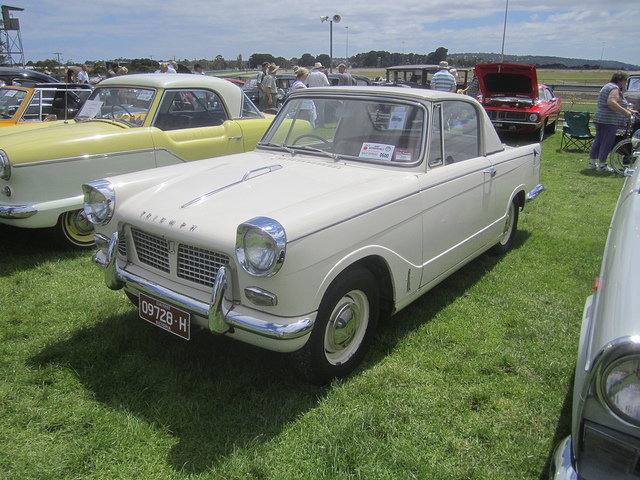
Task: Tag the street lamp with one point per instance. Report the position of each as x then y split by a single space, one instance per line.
347 52
336 18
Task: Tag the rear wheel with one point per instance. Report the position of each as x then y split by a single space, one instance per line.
74 229
510 228
621 157
344 328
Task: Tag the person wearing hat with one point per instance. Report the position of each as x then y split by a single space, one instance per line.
345 77
317 78
261 93
443 80
270 87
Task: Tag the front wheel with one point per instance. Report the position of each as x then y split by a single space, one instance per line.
621 157
344 328
74 229
510 228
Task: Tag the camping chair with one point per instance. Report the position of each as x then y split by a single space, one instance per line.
576 132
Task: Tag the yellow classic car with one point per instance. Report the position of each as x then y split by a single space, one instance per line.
129 123
22 105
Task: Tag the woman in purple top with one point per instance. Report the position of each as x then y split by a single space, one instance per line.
609 116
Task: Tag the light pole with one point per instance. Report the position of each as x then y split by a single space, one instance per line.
504 32
336 18
347 52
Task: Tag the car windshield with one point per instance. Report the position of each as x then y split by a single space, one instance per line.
10 101
125 104
365 129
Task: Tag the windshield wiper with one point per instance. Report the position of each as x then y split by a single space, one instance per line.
278 145
314 149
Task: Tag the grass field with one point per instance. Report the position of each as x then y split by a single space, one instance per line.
472 381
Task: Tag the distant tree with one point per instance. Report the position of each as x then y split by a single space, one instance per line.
307 60
219 63
324 59
256 59
142 65
440 55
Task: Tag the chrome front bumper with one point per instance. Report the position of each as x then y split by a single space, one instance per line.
561 465
221 318
17 211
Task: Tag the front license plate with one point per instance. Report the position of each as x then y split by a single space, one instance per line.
165 316
497 124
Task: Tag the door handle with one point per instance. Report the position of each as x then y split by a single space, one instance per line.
492 171
237 137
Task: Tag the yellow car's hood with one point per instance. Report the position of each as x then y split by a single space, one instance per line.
74 140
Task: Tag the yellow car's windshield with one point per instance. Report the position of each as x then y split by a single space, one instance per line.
128 104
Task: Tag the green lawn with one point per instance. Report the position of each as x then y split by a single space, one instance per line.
472 381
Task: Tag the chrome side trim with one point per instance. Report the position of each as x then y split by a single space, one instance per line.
535 192
18 211
221 318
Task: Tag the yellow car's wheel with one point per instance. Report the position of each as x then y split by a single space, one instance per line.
74 229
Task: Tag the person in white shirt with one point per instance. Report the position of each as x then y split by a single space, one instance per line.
83 76
317 78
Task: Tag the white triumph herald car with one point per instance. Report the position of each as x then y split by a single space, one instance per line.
303 244
605 426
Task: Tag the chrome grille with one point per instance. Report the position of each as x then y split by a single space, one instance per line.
152 250
199 265
502 115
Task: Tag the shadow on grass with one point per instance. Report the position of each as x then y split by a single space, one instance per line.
24 248
563 428
215 395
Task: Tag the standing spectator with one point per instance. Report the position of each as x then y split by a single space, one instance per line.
317 78
162 68
307 108
70 73
609 115
443 80
113 70
172 67
474 86
270 88
197 69
345 77
123 71
83 75
261 92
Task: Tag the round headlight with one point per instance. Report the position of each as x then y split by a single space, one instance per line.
635 140
622 388
260 246
533 117
99 199
5 166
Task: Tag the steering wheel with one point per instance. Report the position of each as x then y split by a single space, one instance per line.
113 108
311 135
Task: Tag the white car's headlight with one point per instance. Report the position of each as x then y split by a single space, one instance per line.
99 201
621 388
260 246
5 166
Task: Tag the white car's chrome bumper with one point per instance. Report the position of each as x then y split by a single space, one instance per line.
220 318
561 465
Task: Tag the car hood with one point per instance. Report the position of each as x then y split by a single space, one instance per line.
507 81
93 137
210 198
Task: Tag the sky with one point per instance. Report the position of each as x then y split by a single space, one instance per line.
81 30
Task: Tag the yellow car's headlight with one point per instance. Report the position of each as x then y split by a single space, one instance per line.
5 166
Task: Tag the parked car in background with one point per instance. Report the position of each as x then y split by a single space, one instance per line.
632 91
283 83
42 101
419 76
361 80
515 101
23 76
129 123
605 423
303 244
